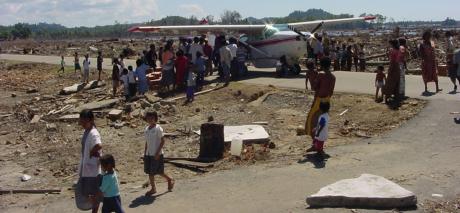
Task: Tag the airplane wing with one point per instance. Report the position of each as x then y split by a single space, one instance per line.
199 28
239 28
331 21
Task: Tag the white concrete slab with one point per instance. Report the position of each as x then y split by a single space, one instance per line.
366 191
248 133
97 105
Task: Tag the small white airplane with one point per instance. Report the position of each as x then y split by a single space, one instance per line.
268 42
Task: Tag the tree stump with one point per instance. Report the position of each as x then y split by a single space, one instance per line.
211 141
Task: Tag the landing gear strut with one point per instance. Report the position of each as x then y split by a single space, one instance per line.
282 68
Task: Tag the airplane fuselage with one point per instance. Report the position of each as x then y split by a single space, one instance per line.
281 43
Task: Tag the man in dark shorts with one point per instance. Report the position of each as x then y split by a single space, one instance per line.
77 62
99 64
454 70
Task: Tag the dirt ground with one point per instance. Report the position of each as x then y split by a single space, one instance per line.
442 206
51 155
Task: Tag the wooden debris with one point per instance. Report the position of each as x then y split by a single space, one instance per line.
376 56
63 109
343 113
190 163
71 117
260 123
5 115
35 119
198 93
29 191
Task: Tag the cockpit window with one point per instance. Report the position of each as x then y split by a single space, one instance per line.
269 31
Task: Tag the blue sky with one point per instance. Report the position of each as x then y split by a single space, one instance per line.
102 12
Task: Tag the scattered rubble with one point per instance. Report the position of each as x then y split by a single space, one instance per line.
278 114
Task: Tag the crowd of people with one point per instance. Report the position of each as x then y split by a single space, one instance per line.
184 66
187 64
344 55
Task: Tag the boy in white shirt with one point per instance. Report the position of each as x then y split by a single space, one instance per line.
191 83
125 81
132 82
153 152
321 130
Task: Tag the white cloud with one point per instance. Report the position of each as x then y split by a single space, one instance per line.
192 9
77 12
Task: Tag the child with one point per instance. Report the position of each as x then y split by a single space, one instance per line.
191 83
124 79
380 79
86 64
132 82
322 128
153 152
109 186
62 64
200 64
311 75
99 64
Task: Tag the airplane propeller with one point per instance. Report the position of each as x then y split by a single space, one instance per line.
305 37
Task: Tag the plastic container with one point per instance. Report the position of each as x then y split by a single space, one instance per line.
236 146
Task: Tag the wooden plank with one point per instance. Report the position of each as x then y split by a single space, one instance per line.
190 163
376 56
196 94
29 191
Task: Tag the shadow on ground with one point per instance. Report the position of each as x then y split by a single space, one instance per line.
252 74
145 200
318 160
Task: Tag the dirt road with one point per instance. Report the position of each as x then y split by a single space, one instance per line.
350 82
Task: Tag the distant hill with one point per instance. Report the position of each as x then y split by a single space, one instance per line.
313 14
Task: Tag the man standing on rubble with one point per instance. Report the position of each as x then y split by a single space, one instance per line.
456 66
99 64
225 61
234 63
195 48
324 88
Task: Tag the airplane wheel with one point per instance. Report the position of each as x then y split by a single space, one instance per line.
296 69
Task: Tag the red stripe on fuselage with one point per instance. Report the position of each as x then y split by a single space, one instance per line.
271 42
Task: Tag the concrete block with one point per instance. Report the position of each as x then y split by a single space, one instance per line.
35 119
366 191
115 114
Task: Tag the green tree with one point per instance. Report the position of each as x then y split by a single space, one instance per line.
449 22
21 31
230 17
